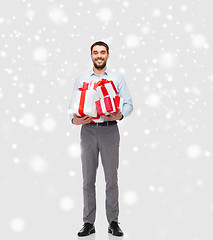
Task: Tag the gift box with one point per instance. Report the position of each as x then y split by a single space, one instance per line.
106 105
119 102
89 85
83 103
109 105
106 88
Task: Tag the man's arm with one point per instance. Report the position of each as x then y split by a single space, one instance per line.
123 92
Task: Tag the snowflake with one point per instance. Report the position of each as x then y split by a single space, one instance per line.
74 150
105 14
17 224
57 16
48 124
153 100
38 164
193 151
199 41
130 197
40 54
28 120
66 204
132 41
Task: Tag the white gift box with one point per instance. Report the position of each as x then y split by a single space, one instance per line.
106 90
83 103
106 105
87 100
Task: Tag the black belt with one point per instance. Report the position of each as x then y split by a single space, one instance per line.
106 123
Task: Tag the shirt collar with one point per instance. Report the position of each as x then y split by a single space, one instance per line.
93 73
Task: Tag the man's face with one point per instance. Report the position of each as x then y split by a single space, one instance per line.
99 56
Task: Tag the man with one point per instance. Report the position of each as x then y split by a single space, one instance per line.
104 138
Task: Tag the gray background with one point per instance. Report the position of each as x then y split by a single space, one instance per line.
164 51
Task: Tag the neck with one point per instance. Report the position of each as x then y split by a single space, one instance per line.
99 71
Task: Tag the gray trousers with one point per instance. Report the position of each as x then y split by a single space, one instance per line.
104 140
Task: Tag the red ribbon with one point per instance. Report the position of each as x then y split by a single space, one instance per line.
108 104
103 88
117 102
85 86
98 116
81 104
98 106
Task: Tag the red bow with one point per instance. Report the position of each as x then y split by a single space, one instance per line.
102 82
87 86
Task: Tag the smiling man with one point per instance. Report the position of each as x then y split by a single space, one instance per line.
101 138
99 60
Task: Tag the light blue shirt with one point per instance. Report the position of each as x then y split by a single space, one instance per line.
119 82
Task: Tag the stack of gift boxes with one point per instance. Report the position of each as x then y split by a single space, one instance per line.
95 100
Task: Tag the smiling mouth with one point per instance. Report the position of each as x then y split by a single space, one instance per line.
99 60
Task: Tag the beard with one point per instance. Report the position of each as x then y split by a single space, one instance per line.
99 67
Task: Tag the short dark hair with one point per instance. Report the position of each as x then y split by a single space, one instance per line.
100 43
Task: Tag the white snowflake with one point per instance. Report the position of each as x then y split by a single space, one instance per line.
193 151
145 30
135 149
138 111
74 150
66 204
126 4
3 54
188 28
104 14
153 100
199 41
40 54
183 8
17 224
152 188
30 14
130 197
132 41
125 133
48 124
156 13
72 173
28 120
57 16
167 60
38 164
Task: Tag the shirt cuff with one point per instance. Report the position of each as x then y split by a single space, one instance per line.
121 118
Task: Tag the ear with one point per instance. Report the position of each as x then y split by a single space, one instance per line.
108 56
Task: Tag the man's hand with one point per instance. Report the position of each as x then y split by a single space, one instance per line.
81 120
113 116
